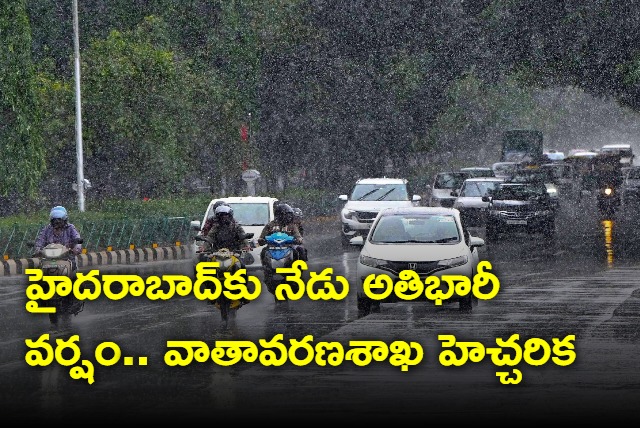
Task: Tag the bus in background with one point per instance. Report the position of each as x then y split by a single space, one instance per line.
624 150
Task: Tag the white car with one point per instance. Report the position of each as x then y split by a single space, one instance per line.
469 201
431 241
504 169
252 212
367 197
443 184
478 171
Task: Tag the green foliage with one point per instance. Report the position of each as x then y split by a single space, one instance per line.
135 107
120 209
21 144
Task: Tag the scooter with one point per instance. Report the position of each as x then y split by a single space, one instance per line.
54 260
229 261
279 254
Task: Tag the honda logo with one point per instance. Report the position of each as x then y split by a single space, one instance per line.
413 266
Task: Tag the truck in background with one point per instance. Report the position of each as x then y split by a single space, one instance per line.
523 146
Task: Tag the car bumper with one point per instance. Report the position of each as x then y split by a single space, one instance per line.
351 228
502 223
363 271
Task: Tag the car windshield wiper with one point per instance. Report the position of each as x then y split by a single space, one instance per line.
443 240
385 194
368 193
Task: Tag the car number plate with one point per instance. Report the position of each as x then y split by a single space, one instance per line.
516 221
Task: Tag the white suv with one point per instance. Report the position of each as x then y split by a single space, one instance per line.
367 197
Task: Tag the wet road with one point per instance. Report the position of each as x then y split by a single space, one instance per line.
586 283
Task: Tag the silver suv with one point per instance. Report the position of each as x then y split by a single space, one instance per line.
367 197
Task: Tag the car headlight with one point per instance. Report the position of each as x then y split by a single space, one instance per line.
456 261
370 261
552 192
348 214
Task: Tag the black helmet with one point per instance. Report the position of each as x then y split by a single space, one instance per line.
283 212
298 213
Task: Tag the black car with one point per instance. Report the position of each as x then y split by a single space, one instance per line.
520 207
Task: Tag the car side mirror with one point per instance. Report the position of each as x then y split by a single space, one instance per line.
486 198
454 193
195 225
357 240
343 198
476 242
416 198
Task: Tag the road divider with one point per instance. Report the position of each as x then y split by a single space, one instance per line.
117 257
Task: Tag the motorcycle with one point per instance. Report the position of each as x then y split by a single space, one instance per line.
279 253
608 200
54 259
230 262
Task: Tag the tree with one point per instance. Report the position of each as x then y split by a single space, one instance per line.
22 153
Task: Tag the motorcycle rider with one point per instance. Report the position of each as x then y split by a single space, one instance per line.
59 231
225 232
297 219
212 218
283 222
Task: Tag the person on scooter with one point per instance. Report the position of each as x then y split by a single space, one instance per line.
297 219
212 218
283 222
59 231
225 232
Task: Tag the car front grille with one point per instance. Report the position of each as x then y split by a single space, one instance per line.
516 215
366 216
421 268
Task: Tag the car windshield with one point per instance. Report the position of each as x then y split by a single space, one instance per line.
504 168
484 172
558 170
477 188
519 193
249 214
419 228
450 180
625 152
379 192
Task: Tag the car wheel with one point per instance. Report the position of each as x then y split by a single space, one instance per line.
466 303
364 305
345 242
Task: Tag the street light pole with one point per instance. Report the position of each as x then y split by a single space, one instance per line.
80 168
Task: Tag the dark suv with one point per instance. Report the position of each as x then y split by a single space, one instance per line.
517 207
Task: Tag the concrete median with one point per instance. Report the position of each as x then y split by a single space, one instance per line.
12 267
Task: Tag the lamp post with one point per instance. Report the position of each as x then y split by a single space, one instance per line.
80 182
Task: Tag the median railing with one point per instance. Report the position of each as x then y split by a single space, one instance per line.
105 235
108 235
